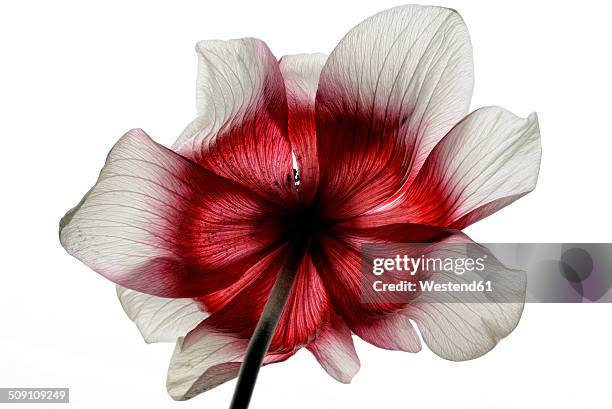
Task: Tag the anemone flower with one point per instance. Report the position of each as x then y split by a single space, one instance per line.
242 242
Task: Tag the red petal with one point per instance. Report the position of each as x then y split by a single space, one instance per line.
237 310
301 74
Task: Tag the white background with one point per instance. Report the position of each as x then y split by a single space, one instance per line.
75 76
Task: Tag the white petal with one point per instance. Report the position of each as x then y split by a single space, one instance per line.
119 225
214 359
160 319
301 74
206 364
334 350
461 326
394 332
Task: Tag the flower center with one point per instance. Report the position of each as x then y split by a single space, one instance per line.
304 221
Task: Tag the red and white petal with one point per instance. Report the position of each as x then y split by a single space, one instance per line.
461 326
241 129
160 319
213 360
301 73
391 89
212 352
372 316
453 325
334 350
486 162
157 223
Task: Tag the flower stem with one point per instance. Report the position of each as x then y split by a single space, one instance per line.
262 336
